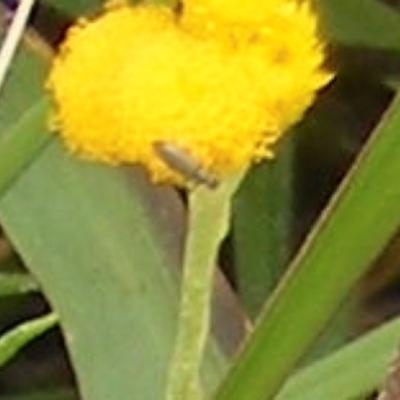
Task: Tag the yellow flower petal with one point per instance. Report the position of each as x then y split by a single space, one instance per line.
138 76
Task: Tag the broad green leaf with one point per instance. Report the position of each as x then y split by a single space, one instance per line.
354 229
102 261
355 370
363 23
27 72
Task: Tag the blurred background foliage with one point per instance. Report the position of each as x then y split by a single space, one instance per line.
274 209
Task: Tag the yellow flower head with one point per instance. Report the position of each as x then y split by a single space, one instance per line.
220 82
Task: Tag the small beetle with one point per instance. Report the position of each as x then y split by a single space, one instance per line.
180 161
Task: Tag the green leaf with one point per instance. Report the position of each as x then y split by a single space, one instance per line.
261 221
363 23
342 375
77 7
354 229
17 338
104 260
84 7
19 147
27 71
12 284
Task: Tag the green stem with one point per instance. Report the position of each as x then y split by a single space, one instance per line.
208 224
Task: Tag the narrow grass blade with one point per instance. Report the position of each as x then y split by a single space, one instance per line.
354 229
342 375
17 338
12 284
19 147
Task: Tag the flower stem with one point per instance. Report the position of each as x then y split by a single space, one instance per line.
208 225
